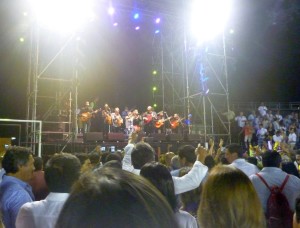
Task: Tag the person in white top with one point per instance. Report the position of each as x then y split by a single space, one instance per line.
261 135
292 138
262 109
61 171
143 153
278 137
234 155
241 120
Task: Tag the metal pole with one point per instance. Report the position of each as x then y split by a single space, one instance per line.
226 83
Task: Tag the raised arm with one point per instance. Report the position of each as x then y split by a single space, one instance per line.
193 179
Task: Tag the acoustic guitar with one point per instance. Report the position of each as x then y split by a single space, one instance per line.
84 117
107 118
118 121
161 122
175 123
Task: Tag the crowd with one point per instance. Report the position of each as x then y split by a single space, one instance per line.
222 186
264 126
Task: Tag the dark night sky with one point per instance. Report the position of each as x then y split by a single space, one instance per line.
266 44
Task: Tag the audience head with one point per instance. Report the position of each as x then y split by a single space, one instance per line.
229 200
175 162
233 152
113 157
209 161
61 171
252 160
271 159
169 156
94 158
38 163
142 153
290 168
112 197
187 155
18 162
161 178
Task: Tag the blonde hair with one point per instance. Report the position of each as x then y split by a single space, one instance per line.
229 200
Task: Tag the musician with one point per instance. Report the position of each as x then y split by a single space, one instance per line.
117 120
84 120
160 122
136 121
129 123
106 115
149 118
176 123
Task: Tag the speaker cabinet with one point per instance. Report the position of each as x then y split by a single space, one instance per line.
175 137
193 137
114 136
159 137
93 137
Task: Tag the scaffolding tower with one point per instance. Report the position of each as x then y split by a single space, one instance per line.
192 79
52 86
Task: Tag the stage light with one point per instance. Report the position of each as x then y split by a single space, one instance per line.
25 14
115 24
157 20
111 11
157 31
137 28
209 18
136 16
231 31
21 39
154 72
154 88
154 105
64 16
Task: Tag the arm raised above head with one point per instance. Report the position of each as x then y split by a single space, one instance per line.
193 179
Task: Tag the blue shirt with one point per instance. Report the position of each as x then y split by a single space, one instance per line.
13 194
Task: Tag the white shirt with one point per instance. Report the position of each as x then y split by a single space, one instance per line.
245 166
241 121
185 220
275 177
292 138
126 162
187 182
261 132
42 213
277 138
262 110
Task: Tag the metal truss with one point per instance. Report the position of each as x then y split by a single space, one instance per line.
180 87
52 85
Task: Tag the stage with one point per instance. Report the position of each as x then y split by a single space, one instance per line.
86 143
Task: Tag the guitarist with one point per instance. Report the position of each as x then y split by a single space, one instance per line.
176 123
84 121
160 122
117 120
106 114
149 118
